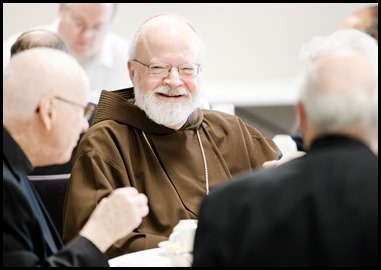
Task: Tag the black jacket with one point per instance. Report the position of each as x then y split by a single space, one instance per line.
318 210
29 236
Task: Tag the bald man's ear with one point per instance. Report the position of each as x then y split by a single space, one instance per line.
301 115
46 112
303 124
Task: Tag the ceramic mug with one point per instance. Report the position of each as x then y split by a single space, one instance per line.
285 143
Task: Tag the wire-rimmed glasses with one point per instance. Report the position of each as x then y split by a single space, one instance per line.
88 110
162 70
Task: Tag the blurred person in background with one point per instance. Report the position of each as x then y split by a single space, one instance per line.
85 29
364 19
155 138
320 209
45 92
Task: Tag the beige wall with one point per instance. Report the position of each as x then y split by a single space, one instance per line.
244 41
252 49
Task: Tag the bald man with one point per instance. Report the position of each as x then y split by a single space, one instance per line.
45 93
155 138
44 38
317 210
364 19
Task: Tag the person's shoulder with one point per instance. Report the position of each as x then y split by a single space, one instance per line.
116 46
117 40
11 39
50 27
219 115
104 130
8 42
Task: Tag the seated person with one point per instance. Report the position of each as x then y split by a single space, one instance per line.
45 92
320 209
44 38
86 31
156 138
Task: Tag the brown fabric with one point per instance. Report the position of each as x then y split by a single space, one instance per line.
113 153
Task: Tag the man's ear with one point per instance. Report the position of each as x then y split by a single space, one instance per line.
46 112
305 129
302 117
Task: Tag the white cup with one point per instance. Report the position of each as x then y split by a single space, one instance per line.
285 143
183 234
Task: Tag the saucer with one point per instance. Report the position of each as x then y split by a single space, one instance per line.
177 255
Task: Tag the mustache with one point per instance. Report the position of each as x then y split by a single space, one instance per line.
178 91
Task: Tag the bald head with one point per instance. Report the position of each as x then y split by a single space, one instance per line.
38 72
163 32
339 95
364 19
38 38
45 92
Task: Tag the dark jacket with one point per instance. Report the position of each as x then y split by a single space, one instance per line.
318 210
29 236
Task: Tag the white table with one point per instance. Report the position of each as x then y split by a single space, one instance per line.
146 258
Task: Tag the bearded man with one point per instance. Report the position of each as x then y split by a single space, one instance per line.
155 138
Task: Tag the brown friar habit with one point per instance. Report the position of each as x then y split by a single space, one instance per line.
169 168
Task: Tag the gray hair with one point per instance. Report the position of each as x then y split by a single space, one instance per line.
343 39
333 105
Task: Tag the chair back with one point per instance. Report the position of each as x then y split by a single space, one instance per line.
52 190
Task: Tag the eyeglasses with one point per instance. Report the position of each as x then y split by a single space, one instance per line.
88 110
162 70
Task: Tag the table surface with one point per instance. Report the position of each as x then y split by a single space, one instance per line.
146 258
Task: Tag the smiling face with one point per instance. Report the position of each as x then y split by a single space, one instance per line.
169 98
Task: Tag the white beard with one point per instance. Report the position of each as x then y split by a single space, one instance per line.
166 113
